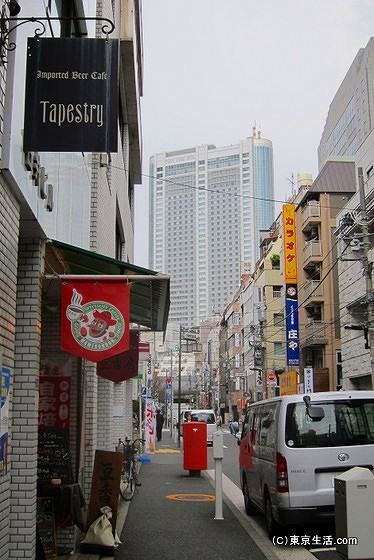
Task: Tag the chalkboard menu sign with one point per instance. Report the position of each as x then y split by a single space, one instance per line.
46 529
54 459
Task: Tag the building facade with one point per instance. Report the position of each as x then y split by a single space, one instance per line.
207 207
350 117
61 213
349 134
317 206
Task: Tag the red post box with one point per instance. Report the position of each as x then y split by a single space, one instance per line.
195 452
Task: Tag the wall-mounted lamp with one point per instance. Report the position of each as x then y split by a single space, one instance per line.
14 8
9 22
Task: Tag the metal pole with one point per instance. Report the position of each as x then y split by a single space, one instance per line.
179 385
171 394
368 267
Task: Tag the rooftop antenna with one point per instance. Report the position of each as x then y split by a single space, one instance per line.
292 181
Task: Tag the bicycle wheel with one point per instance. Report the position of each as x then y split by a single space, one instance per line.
127 485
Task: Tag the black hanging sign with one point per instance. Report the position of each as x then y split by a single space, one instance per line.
71 100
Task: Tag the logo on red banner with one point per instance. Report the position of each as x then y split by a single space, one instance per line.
95 318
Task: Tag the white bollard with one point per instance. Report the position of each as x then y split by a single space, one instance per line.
218 456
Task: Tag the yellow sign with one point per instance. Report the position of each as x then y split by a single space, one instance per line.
289 243
288 383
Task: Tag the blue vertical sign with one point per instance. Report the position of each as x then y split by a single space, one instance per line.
292 325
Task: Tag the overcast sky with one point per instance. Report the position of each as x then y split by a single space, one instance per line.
214 68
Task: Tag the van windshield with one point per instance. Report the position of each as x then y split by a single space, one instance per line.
207 417
346 422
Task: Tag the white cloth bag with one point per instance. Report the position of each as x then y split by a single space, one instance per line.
100 531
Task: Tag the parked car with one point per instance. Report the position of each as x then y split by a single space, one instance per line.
293 447
202 415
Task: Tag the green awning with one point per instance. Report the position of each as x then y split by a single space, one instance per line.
150 291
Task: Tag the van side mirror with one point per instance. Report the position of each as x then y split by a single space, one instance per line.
315 413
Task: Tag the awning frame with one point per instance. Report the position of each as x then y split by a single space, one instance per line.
150 290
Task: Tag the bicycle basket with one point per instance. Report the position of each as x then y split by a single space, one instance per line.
128 452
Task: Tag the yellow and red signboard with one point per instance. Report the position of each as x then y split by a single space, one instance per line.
289 243
288 383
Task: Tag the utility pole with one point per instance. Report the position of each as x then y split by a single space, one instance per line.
368 268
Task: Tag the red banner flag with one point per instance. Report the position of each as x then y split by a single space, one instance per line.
122 366
95 316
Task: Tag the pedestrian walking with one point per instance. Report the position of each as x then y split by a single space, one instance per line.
159 424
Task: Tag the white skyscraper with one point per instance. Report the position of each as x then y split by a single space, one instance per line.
207 207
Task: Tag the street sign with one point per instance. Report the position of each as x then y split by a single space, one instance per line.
272 376
144 393
190 336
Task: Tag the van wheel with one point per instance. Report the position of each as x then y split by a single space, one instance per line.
271 524
249 507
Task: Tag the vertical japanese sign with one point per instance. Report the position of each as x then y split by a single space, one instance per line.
168 387
95 318
290 273
308 380
105 485
54 401
71 101
150 425
289 243
4 417
150 412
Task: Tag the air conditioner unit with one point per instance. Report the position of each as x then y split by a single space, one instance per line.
356 245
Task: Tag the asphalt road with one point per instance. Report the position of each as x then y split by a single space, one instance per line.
230 467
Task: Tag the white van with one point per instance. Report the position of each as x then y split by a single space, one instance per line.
292 448
203 415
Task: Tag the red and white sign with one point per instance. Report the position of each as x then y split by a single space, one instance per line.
272 376
54 401
122 366
150 425
95 318
144 350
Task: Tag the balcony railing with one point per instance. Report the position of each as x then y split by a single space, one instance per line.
311 211
315 333
312 249
313 288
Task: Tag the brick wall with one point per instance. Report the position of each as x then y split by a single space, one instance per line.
22 520
9 224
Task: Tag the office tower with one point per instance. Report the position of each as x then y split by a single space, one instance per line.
207 207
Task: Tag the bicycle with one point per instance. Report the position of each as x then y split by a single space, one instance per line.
129 474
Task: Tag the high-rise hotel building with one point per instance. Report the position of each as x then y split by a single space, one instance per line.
207 207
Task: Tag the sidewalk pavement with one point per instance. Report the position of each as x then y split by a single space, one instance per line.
172 516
